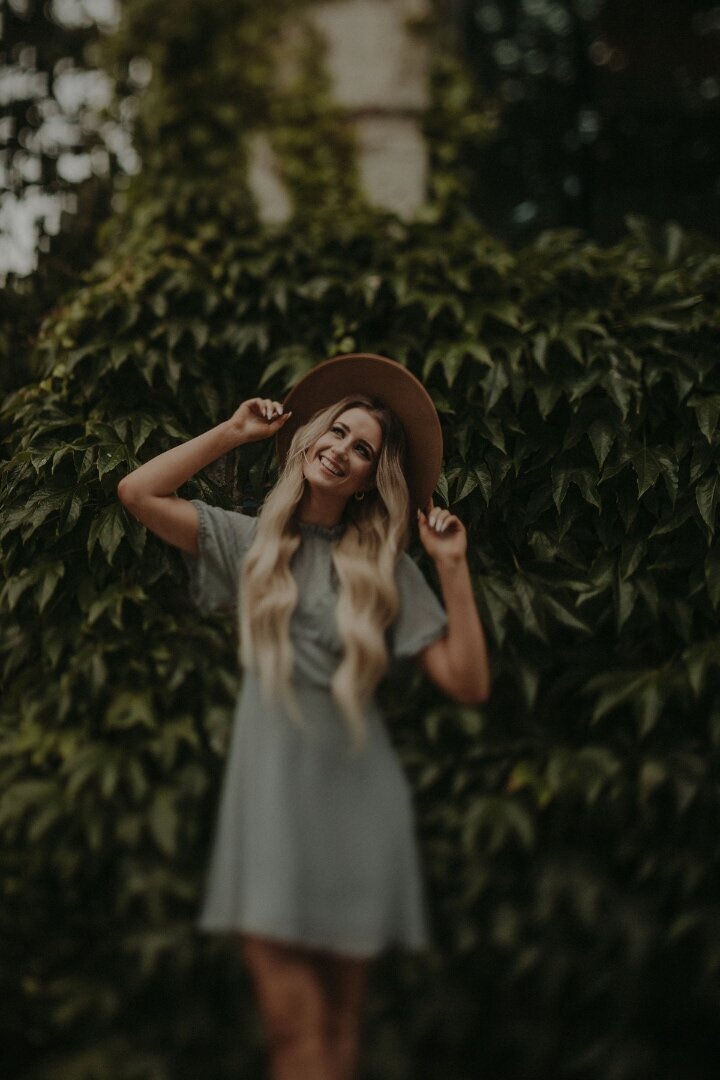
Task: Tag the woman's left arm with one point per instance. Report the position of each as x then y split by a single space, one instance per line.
458 663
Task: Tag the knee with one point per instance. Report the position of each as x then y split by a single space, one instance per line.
284 1019
344 1041
344 1031
291 1027
294 1012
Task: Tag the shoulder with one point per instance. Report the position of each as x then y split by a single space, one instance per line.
230 526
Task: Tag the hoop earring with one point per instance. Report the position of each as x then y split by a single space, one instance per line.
359 496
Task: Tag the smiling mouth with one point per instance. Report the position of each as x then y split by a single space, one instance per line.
329 467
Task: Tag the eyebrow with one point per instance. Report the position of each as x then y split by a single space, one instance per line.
371 448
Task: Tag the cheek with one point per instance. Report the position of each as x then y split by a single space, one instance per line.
312 453
307 460
367 470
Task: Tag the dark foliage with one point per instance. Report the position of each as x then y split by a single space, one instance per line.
569 828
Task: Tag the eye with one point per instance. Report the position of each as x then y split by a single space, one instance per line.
336 429
364 451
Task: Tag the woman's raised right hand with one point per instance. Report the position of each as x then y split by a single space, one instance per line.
258 418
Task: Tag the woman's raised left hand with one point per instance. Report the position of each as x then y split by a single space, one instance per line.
442 534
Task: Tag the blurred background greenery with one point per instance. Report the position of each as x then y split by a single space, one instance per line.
563 312
607 108
603 108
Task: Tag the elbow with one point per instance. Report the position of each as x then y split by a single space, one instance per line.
123 491
472 685
473 697
485 692
127 493
471 694
485 696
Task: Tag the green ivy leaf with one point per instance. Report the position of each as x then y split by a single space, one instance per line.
648 705
618 389
493 385
143 424
442 489
564 475
469 479
163 820
564 616
130 709
547 395
50 578
707 492
247 335
107 528
295 360
712 575
602 434
707 411
617 688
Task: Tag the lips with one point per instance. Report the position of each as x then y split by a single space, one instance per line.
330 465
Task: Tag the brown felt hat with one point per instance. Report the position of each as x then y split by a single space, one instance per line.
394 386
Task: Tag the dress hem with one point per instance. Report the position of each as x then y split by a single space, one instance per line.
313 944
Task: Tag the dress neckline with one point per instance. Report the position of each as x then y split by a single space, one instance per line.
331 533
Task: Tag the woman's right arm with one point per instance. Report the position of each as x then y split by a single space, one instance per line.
149 491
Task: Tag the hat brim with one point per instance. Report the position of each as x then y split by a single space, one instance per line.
392 384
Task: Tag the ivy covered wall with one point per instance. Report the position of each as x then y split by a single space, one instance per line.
568 827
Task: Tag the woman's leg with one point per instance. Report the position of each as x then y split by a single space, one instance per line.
346 981
292 998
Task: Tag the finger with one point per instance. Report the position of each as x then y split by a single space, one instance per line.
436 515
429 510
423 527
267 408
278 421
442 517
425 523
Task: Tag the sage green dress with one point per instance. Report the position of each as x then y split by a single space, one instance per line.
313 845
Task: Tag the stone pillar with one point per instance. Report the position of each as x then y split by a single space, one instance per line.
379 70
264 178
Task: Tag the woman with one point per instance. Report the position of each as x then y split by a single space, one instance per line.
314 863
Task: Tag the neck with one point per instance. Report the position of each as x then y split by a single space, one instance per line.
319 509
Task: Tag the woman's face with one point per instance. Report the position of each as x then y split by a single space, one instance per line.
344 459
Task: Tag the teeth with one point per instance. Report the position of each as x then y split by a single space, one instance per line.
328 465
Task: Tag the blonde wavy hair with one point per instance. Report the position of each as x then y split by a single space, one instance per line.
364 558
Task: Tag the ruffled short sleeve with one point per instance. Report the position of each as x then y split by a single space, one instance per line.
224 538
421 619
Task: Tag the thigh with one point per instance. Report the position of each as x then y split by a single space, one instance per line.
289 983
346 979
